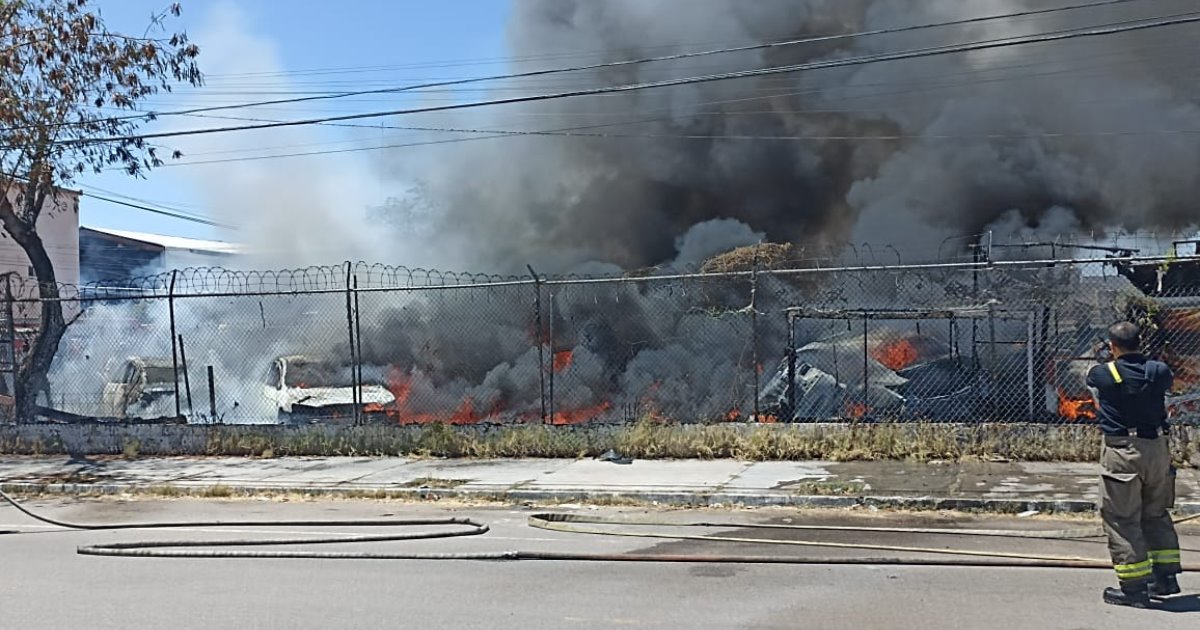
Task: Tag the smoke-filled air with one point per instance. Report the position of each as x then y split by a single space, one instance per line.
1056 138
1078 139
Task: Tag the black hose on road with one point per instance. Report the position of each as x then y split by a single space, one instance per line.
581 524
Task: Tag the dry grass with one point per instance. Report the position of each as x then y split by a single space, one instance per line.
644 440
653 440
767 255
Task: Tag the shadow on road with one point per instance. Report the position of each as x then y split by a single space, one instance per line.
1185 604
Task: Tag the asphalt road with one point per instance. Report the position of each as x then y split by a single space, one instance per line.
45 585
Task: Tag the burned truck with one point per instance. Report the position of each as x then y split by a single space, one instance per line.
895 367
304 389
140 388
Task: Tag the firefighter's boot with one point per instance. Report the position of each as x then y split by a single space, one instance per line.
1132 595
1164 585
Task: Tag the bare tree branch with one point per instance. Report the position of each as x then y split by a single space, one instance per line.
60 69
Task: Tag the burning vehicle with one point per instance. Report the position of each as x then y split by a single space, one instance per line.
306 389
143 387
906 375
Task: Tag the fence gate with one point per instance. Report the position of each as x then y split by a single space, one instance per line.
950 365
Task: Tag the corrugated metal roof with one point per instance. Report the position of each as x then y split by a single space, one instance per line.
174 242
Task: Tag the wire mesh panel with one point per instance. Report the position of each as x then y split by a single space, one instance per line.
980 343
114 361
676 350
458 355
916 364
269 358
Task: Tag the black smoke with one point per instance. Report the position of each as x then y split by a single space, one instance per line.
913 151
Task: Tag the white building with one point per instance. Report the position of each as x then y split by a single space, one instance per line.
58 227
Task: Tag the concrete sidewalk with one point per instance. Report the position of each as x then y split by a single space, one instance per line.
989 486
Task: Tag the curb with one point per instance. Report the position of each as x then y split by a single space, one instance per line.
521 496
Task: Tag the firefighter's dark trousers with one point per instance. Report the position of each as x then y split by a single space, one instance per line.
1137 489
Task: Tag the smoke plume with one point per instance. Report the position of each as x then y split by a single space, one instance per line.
1074 135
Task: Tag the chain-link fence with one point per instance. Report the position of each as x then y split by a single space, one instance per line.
953 342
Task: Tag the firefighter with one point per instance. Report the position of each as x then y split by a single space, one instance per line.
1137 480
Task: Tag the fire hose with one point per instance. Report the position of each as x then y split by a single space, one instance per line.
582 524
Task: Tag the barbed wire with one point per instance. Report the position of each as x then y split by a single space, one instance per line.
855 263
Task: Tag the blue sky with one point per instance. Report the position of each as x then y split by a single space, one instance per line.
253 50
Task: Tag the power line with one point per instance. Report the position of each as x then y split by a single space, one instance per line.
173 206
646 60
500 133
454 63
1120 27
168 213
772 112
919 87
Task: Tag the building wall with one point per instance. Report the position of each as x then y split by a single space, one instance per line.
58 227
112 260
188 258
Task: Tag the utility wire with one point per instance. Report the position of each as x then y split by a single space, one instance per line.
453 63
921 87
1121 27
617 64
499 133
174 215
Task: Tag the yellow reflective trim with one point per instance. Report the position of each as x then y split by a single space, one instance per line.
1165 557
1112 367
1134 576
1133 571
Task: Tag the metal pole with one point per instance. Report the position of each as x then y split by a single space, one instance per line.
550 334
866 365
992 360
975 295
187 383
790 411
358 349
754 333
12 346
350 328
537 313
174 347
1029 361
212 396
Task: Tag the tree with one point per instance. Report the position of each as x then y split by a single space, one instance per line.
66 80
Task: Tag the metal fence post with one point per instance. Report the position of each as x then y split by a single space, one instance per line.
187 383
866 399
993 392
350 328
212 398
550 334
12 346
754 334
174 342
1029 361
790 386
358 360
537 322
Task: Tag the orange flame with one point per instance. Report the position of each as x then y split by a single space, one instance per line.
579 416
468 411
733 416
562 360
896 355
1076 408
857 410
